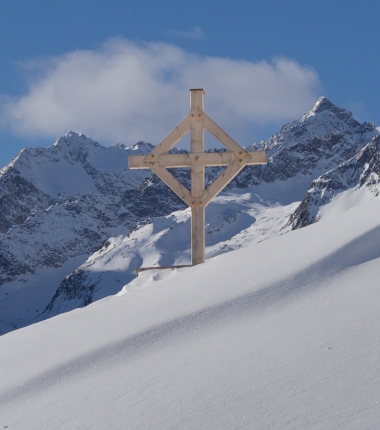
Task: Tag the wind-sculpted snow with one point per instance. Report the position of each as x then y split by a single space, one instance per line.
304 282
59 205
282 334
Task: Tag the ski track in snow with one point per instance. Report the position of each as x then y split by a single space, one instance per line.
361 250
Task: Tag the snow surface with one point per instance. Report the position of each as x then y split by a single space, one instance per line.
282 334
233 220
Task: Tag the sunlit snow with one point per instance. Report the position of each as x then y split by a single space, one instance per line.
280 334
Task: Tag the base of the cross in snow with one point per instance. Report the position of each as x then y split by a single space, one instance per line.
235 158
144 269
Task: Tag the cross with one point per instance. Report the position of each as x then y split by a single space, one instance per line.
236 158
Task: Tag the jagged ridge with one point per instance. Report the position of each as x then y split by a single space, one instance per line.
362 170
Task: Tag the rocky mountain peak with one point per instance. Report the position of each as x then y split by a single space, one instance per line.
322 104
323 109
73 139
74 145
323 121
141 147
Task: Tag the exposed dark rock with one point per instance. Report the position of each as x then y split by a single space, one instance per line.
362 170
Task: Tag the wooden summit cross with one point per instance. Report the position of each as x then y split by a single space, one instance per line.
199 197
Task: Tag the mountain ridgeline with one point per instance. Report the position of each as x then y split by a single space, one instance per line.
65 206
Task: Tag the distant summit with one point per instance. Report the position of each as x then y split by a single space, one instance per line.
323 103
323 106
72 139
322 120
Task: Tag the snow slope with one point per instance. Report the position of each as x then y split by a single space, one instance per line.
233 220
279 335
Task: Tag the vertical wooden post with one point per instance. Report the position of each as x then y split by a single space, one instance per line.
197 179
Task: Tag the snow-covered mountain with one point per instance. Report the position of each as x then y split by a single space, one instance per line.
319 141
76 222
66 201
360 171
282 334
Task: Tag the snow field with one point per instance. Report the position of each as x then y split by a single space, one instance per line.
282 334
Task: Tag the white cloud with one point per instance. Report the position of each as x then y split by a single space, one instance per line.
193 33
126 92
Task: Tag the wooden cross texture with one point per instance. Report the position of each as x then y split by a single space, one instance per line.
236 158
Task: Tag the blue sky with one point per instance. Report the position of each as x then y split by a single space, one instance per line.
120 71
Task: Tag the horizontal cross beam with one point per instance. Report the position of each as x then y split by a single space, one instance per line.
196 159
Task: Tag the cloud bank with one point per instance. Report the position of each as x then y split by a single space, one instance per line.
125 92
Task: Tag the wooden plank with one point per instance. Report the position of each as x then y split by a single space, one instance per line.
197 178
144 269
221 181
196 136
197 181
209 159
197 143
256 157
202 159
222 136
137 162
197 98
196 125
173 137
173 183
197 234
